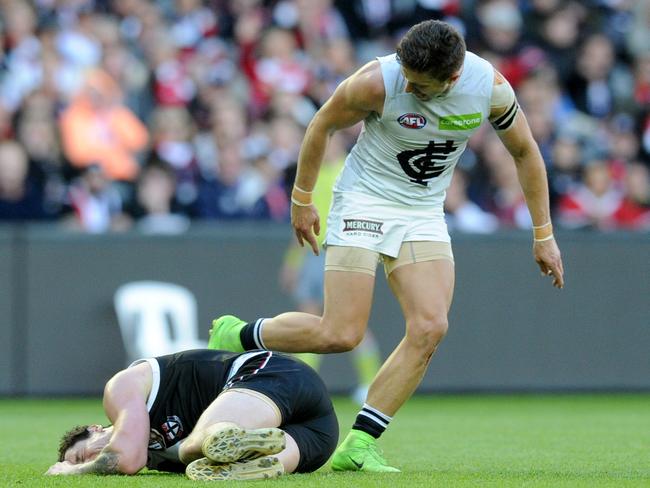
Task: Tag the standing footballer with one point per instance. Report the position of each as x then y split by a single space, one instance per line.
419 108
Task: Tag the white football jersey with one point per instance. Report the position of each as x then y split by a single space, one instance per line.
407 155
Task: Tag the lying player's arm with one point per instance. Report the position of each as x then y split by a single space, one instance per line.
126 452
125 404
513 130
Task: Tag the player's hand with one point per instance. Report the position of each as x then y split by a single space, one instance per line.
61 468
303 220
548 258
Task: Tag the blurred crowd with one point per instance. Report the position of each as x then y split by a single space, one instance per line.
121 114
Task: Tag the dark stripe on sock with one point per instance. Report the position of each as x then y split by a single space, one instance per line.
246 335
369 424
373 411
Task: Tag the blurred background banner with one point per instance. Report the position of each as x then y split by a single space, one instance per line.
158 140
509 330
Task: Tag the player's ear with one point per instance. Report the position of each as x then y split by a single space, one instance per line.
95 428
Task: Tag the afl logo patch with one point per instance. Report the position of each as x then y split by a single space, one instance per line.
412 121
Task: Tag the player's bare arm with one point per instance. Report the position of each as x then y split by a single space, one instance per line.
513 130
125 405
354 99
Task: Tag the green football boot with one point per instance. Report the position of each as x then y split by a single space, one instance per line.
224 334
359 452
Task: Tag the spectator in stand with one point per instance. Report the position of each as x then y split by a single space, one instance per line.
97 129
121 63
566 167
227 194
316 23
462 214
217 77
155 192
172 83
285 137
96 203
172 135
642 80
192 22
229 122
594 202
556 29
21 198
36 130
638 35
337 63
622 145
500 40
599 84
634 211
21 70
281 67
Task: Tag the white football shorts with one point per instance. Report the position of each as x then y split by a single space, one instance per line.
360 220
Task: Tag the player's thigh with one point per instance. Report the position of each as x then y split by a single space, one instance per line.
291 455
316 439
349 285
423 283
248 408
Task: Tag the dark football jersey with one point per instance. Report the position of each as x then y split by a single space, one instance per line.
184 385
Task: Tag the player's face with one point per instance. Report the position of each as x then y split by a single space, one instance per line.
425 87
87 449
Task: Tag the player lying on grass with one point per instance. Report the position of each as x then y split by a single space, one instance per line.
213 414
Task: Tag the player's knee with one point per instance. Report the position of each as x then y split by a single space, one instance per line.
342 340
350 340
342 343
428 331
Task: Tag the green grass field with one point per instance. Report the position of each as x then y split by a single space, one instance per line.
583 440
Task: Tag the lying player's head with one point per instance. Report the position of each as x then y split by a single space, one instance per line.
431 54
83 443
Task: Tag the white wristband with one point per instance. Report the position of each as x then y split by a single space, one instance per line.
547 238
542 226
299 203
303 191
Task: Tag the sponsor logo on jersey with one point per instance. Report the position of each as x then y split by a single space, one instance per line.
412 121
172 428
363 226
460 122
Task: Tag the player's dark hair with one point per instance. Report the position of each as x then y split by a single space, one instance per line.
432 47
70 438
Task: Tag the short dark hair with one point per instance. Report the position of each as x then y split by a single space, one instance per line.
432 47
71 437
